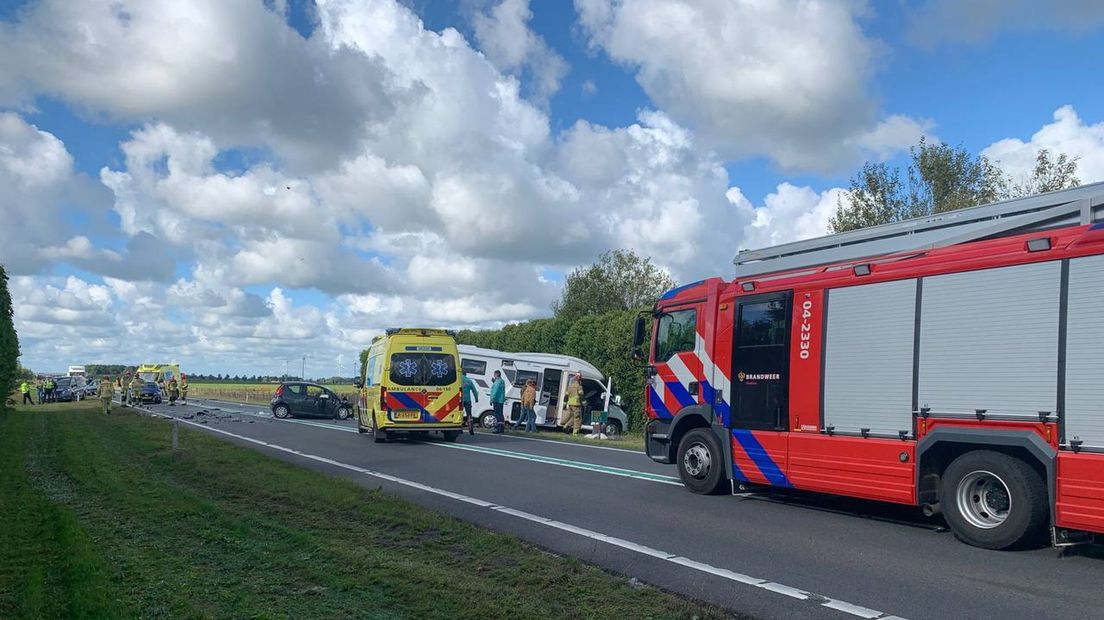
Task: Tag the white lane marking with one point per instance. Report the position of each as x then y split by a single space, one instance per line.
821 601
534 458
551 460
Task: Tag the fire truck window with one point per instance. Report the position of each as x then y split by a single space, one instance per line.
763 323
676 333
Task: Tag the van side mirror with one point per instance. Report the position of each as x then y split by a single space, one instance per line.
638 339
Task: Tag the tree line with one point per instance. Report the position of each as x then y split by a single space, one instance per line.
9 341
938 178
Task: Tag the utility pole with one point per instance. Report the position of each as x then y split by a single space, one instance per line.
285 369
303 376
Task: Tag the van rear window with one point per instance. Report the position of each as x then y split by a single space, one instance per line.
423 369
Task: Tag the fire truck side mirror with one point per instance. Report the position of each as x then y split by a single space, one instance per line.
638 339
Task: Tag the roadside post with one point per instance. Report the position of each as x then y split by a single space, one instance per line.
175 441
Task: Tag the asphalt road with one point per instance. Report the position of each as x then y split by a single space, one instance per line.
764 555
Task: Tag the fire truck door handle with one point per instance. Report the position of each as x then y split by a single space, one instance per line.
693 388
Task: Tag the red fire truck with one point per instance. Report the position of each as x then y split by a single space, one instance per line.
953 362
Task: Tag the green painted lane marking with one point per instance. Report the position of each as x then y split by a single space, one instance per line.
551 460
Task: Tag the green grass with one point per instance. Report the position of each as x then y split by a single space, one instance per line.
100 519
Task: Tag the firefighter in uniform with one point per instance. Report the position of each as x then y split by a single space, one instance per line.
574 401
105 392
174 392
184 389
135 390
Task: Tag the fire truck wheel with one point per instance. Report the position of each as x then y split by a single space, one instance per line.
994 501
701 462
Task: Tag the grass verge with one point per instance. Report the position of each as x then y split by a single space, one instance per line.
99 518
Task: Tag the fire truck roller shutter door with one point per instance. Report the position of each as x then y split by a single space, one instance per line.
868 361
1084 415
989 340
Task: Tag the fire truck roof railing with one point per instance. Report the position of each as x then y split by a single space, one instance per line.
1080 205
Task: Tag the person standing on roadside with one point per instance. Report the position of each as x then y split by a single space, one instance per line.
25 389
105 392
174 392
183 389
468 395
574 401
134 392
48 387
41 390
498 399
528 404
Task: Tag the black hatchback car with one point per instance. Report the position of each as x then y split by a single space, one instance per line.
294 398
149 393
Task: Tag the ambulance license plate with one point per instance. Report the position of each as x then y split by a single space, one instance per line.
407 414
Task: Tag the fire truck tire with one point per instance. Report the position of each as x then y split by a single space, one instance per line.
993 500
701 462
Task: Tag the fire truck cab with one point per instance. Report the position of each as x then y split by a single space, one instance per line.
953 362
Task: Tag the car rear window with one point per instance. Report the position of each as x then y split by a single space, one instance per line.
423 369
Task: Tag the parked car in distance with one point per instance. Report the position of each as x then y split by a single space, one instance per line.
149 393
300 398
73 388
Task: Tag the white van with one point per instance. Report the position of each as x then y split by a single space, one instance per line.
552 373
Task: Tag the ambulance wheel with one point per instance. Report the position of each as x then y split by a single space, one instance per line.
451 435
701 462
994 501
378 436
361 429
281 411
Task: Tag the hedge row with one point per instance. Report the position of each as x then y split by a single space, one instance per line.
9 342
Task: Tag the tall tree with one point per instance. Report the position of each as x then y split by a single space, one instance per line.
9 340
1050 174
619 280
940 178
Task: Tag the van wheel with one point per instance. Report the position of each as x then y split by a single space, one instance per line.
488 420
612 429
451 435
701 462
994 501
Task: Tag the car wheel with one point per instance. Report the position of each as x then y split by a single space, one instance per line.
701 462
343 413
488 420
993 500
612 428
281 411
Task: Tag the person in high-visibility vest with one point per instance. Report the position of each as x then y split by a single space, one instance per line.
174 392
25 389
48 385
574 402
105 392
134 392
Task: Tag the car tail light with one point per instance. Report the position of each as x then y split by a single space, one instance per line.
280 391
383 398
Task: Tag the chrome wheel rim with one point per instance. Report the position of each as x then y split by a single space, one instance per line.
697 461
983 499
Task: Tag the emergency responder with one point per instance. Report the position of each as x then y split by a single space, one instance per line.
574 401
498 399
41 390
105 392
183 389
25 390
134 391
174 392
468 396
48 385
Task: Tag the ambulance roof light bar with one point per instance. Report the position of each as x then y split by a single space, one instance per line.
1080 205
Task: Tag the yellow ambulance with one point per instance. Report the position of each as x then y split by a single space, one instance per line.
158 372
410 385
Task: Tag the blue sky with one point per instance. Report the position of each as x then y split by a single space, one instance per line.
252 181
